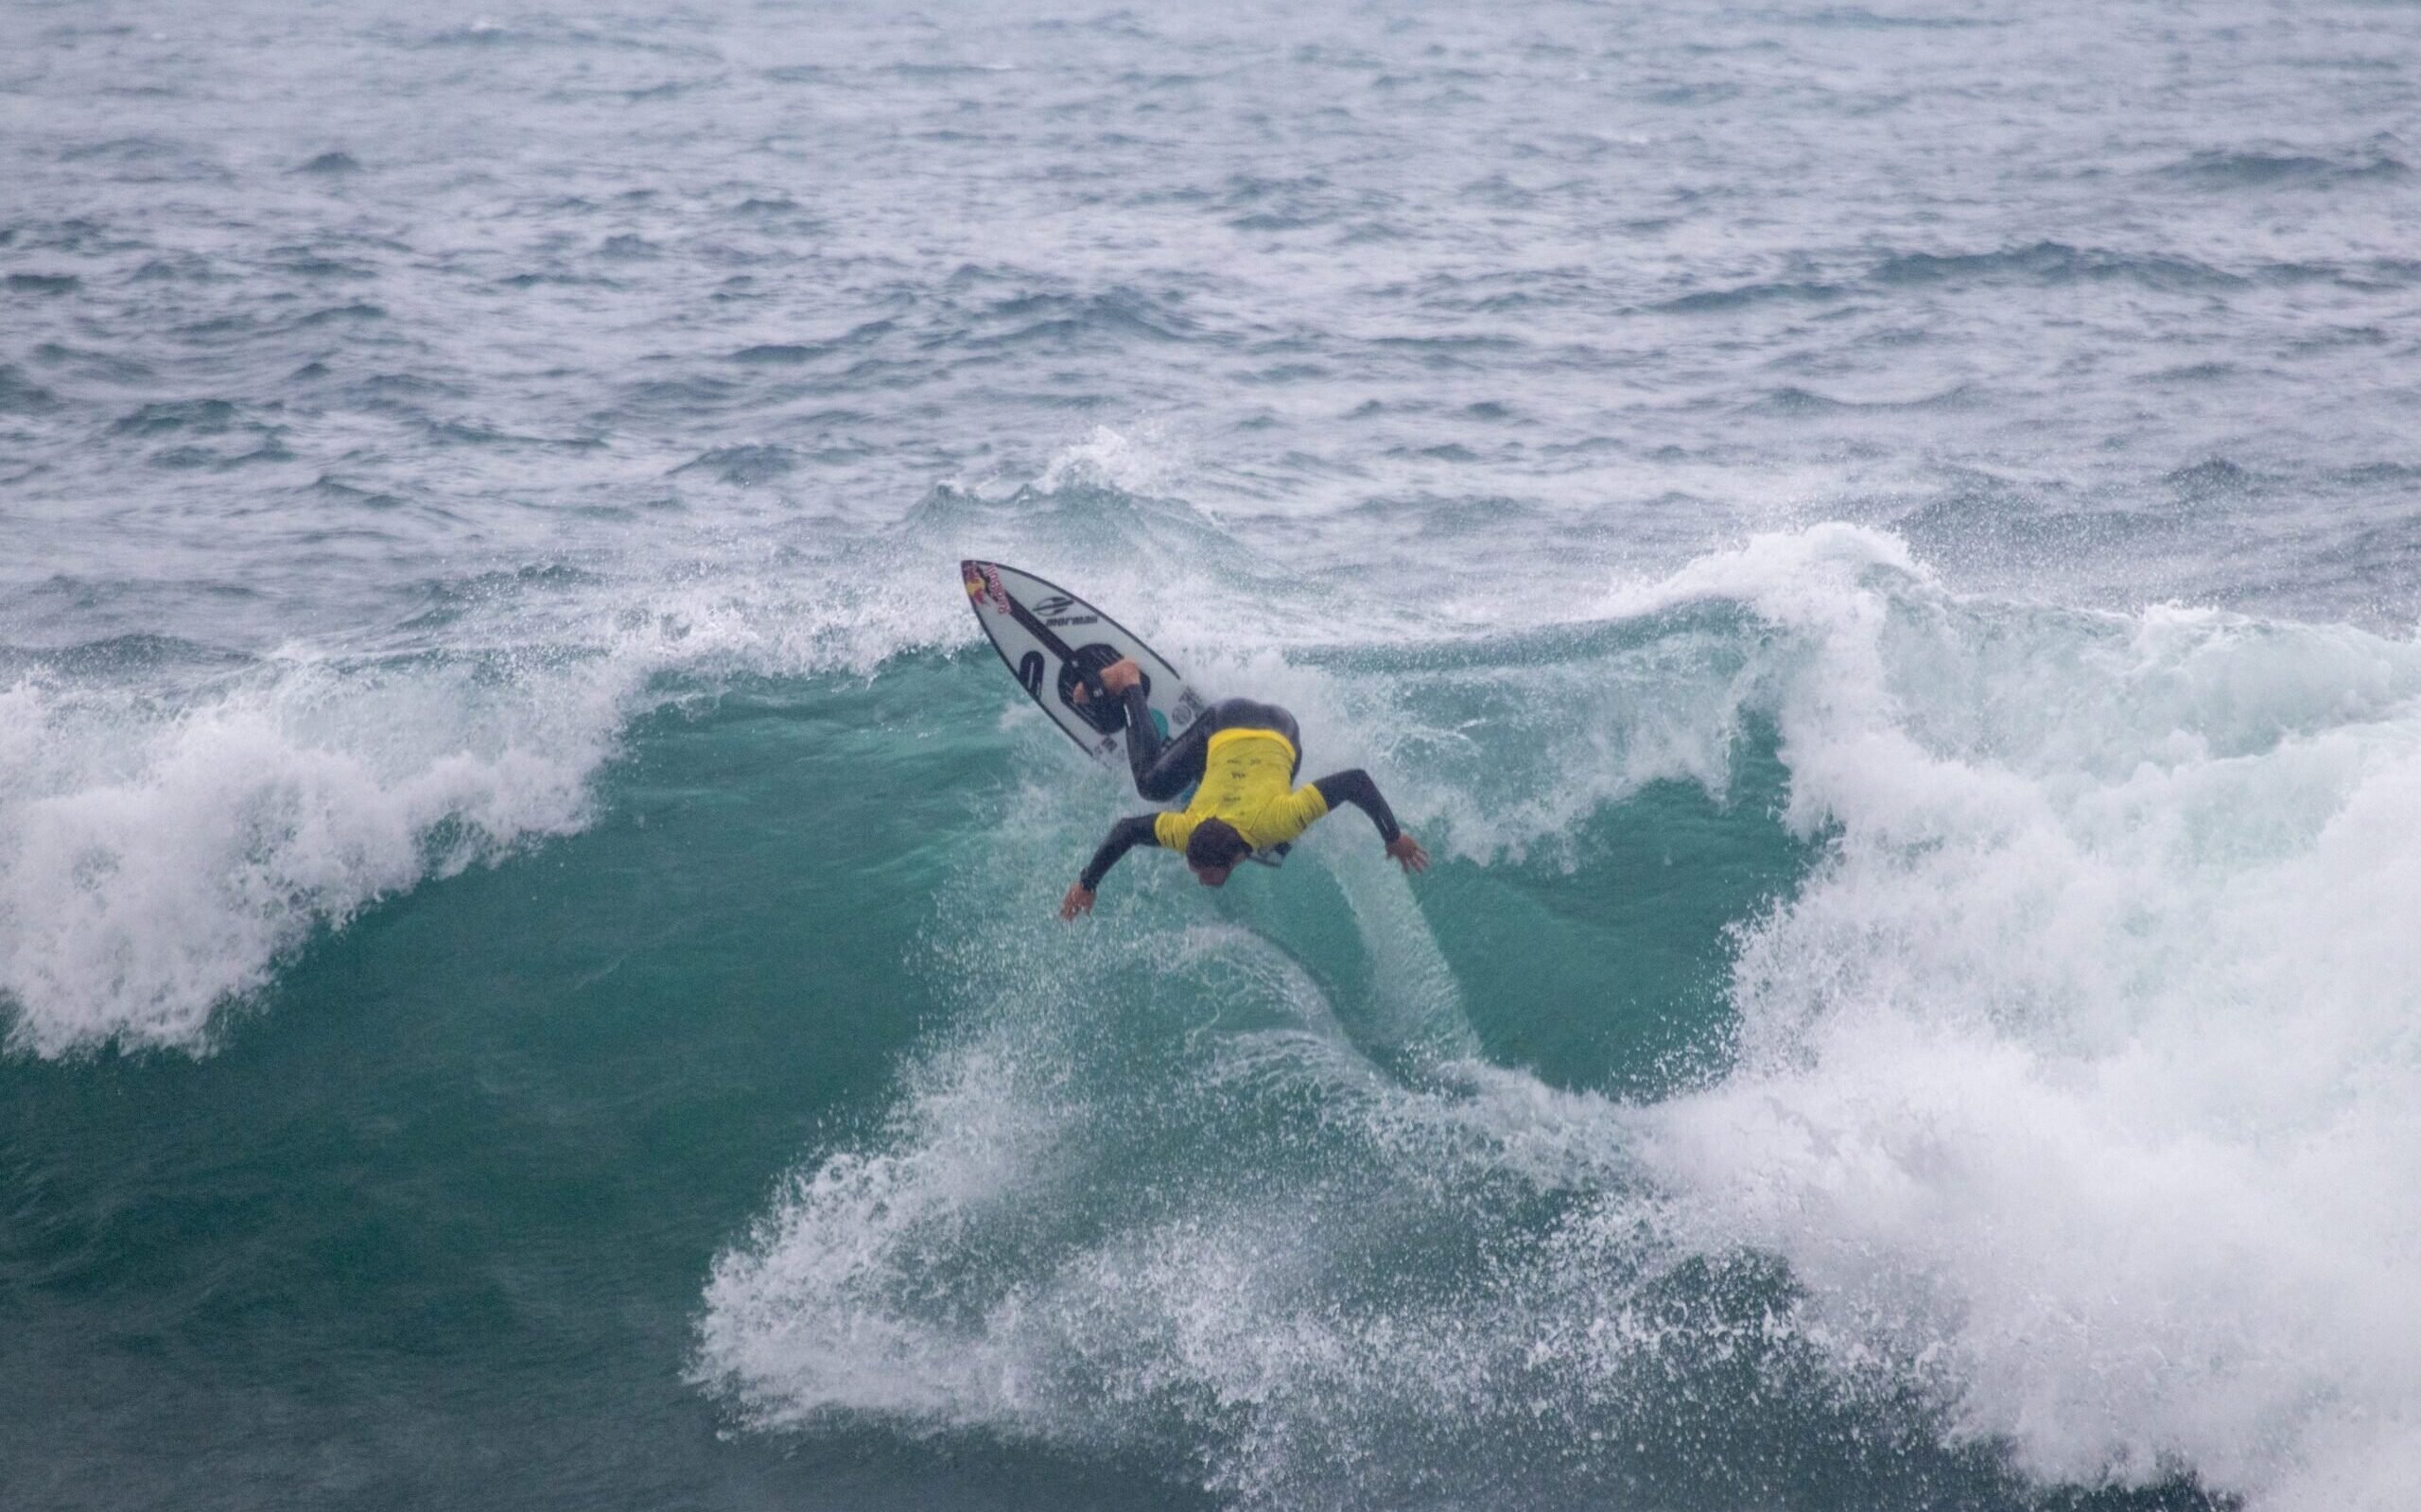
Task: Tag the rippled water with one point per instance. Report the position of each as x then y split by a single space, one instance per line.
1875 543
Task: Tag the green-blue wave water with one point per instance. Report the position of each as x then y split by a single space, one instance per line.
1872 544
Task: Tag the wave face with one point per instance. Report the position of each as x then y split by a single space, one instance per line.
2055 1093
1876 548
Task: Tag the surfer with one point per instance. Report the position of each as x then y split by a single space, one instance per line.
1244 754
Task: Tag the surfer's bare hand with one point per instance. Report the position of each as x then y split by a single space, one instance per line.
1408 854
1122 674
1079 900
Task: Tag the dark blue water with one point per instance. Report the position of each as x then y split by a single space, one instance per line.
1874 545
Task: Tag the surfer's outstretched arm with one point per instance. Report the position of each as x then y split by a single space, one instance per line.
1129 832
1135 829
1355 787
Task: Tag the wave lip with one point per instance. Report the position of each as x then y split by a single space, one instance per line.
176 819
156 863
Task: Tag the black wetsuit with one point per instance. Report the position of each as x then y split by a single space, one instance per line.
1164 768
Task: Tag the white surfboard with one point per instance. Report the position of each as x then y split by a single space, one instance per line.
1055 645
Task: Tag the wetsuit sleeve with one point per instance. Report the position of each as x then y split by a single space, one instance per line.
1124 835
1355 787
1163 768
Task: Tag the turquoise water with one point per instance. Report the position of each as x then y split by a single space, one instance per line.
1873 545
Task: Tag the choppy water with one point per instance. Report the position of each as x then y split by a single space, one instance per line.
1875 544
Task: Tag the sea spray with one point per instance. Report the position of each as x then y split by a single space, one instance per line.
155 862
2082 1069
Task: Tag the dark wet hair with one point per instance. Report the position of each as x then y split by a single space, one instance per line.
1215 843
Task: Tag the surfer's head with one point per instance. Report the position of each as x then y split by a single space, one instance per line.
1213 849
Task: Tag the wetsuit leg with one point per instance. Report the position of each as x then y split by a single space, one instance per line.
1163 768
1252 714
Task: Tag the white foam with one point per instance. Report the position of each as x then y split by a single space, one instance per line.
1002 1261
819 1312
155 862
164 845
2084 1068
1145 457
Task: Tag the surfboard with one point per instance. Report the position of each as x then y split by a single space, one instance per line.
1055 645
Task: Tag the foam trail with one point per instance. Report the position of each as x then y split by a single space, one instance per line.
819 1311
1420 1005
992 1264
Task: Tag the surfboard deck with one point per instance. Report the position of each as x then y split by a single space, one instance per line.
1055 645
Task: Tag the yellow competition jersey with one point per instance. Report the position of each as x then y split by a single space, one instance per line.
1245 781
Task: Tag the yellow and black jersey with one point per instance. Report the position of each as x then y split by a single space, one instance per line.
1244 755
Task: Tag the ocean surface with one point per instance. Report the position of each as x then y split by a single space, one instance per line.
1879 545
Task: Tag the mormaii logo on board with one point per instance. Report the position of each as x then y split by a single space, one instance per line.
1053 612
